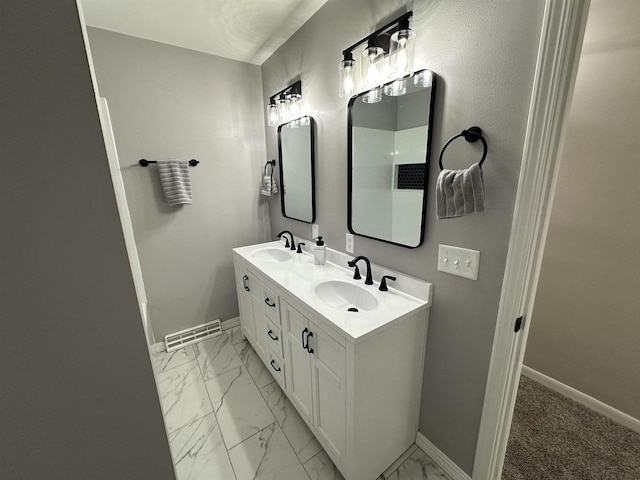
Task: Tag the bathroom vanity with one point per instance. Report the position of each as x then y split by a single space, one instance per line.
349 357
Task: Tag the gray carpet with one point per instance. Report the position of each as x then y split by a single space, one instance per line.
553 437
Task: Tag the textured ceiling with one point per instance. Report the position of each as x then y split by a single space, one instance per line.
245 30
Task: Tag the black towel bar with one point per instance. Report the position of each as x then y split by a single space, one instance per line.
471 135
145 163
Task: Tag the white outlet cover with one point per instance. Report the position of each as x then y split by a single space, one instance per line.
350 243
459 261
314 230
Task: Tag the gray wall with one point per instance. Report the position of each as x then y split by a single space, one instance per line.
585 325
484 54
170 102
77 394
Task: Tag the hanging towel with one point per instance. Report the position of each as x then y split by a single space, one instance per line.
269 186
176 183
460 192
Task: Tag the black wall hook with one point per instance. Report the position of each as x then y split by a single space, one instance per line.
471 135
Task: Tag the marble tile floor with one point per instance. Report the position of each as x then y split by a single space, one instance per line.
228 419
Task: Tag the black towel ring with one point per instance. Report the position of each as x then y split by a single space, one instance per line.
471 135
272 163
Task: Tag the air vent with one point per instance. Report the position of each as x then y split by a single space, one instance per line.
193 335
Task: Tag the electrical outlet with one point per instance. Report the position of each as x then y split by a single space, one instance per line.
459 261
350 241
314 230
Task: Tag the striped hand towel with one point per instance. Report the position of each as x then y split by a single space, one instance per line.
176 183
269 185
459 192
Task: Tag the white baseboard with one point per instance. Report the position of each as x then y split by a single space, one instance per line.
232 322
441 460
584 399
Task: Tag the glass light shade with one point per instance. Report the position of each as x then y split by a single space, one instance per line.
303 121
423 79
347 78
294 105
401 57
396 88
372 66
272 114
373 96
283 110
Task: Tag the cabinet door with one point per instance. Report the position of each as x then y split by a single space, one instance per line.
260 319
243 285
298 361
329 389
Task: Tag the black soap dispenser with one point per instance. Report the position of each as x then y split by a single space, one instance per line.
319 252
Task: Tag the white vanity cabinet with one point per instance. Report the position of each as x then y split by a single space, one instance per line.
358 393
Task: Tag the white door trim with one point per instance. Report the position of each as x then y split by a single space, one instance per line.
558 57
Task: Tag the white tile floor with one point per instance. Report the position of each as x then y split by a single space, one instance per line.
228 419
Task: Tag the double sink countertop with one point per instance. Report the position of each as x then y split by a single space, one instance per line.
300 277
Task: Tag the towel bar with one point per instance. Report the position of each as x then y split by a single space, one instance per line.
145 163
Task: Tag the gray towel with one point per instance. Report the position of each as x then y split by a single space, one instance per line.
460 192
176 183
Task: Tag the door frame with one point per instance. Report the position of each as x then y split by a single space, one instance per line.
556 68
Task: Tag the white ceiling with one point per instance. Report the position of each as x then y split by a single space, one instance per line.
245 30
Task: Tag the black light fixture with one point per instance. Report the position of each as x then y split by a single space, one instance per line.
285 105
388 55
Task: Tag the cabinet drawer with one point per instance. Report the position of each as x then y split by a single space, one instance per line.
276 367
274 338
271 305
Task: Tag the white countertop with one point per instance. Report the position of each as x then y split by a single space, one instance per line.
299 276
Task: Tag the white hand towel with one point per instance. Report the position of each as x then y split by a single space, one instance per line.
176 182
459 192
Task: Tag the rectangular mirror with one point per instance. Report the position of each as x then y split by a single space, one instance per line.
389 146
295 149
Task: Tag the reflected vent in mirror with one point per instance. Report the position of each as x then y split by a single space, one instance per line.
410 176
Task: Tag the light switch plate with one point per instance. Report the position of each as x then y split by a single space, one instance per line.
459 261
314 230
349 244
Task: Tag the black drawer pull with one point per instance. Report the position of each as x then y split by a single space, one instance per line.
268 302
273 365
304 340
275 339
245 281
309 349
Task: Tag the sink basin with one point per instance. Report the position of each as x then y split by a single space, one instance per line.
345 296
272 255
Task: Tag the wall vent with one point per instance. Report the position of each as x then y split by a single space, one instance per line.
193 335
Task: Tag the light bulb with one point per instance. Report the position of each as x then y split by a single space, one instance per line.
348 84
402 62
372 74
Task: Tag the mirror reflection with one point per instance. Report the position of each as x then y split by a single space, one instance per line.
389 138
295 149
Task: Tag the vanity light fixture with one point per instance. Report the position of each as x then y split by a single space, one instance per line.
284 106
387 55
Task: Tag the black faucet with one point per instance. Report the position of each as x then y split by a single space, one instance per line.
286 244
299 246
352 263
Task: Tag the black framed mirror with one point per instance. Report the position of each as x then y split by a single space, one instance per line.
389 135
297 169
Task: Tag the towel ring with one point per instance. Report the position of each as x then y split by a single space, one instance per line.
471 135
273 165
